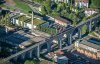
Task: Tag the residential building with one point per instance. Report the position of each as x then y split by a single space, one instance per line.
89 49
82 3
89 11
62 21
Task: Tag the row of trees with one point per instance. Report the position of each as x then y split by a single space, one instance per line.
5 20
48 30
95 4
30 62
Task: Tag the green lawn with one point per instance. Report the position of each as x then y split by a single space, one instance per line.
23 18
46 62
37 22
23 6
1 5
84 28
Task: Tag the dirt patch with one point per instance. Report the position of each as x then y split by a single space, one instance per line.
10 2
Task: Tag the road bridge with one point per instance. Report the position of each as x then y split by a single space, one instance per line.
49 41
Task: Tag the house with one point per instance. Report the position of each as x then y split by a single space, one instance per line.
89 11
88 48
82 3
65 1
62 21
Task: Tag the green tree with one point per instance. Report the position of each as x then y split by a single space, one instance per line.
74 18
60 7
30 62
96 4
47 4
55 13
64 13
7 20
43 11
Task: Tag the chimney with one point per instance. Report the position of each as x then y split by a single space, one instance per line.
32 23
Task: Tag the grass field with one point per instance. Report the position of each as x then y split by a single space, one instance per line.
23 6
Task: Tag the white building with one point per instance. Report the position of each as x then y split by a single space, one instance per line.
27 24
81 3
89 12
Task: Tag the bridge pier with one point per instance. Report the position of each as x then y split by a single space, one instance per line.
69 39
30 54
79 32
89 27
59 43
59 38
38 51
95 24
49 44
23 56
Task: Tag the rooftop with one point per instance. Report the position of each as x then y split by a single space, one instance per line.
91 44
62 19
24 38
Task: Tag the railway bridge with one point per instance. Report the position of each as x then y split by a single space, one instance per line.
69 33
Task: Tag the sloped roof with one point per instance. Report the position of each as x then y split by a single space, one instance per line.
62 19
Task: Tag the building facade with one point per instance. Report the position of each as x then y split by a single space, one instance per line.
62 21
89 49
82 3
89 11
